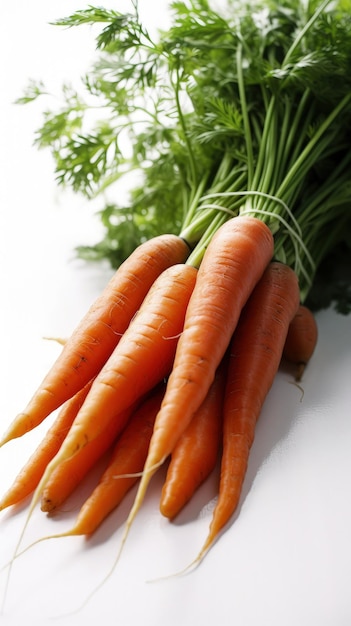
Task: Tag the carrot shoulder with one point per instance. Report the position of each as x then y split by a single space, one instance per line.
254 358
94 339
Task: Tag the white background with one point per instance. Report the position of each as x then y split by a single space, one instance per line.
286 558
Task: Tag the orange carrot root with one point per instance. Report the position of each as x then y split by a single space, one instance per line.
98 333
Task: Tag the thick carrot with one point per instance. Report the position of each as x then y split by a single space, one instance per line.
30 475
196 452
69 474
254 358
232 265
301 340
94 339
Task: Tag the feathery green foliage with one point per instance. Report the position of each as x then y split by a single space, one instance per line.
243 110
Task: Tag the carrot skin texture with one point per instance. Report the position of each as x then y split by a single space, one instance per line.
142 358
301 340
232 265
69 474
96 336
255 354
31 473
196 452
128 457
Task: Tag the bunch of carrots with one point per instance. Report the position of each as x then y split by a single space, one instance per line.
173 362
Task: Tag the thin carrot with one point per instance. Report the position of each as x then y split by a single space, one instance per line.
69 474
301 340
255 354
31 473
95 337
196 452
233 263
124 467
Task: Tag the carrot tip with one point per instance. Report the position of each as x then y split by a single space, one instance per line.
5 438
300 371
188 568
4 503
68 533
15 429
60 340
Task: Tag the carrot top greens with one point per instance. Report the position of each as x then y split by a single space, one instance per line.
243 110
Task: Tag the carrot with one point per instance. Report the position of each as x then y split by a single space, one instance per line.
255 353
195 454
95 337
69 474
234 261
30 475
301 340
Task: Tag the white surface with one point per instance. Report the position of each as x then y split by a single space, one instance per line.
286 559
